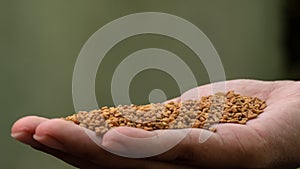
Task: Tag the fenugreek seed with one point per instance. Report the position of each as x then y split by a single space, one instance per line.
230 94
212 129
242 121
118 114
196 124
148 128
221 107
220 94
223 120
263 106
237 115
233 120
252 116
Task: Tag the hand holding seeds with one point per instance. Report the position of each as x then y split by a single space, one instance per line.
270 140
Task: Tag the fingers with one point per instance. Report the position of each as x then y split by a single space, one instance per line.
24 129
68 138
72 139
71 144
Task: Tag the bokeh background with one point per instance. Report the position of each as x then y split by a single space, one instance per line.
40 41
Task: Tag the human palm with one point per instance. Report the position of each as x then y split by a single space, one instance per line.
270 141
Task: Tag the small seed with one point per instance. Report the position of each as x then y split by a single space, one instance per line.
221 107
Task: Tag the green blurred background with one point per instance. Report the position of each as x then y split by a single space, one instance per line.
40 41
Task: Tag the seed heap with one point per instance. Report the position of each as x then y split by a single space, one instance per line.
209 110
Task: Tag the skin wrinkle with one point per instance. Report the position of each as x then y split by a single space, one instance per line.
278 87
291 129
280 145
269 94
220 138
259 135
273 139
186 153
191 155
243 152
61 143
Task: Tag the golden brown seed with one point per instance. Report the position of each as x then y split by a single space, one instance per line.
148 128
252 116
221 107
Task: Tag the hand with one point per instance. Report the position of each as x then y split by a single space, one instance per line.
271 140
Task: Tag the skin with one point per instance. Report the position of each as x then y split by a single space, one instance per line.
270 141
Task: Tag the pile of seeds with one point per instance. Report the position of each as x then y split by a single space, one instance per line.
203 113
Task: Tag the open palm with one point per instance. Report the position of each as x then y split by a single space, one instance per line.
271 140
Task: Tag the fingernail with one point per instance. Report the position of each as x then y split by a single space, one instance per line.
49 141
18 135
